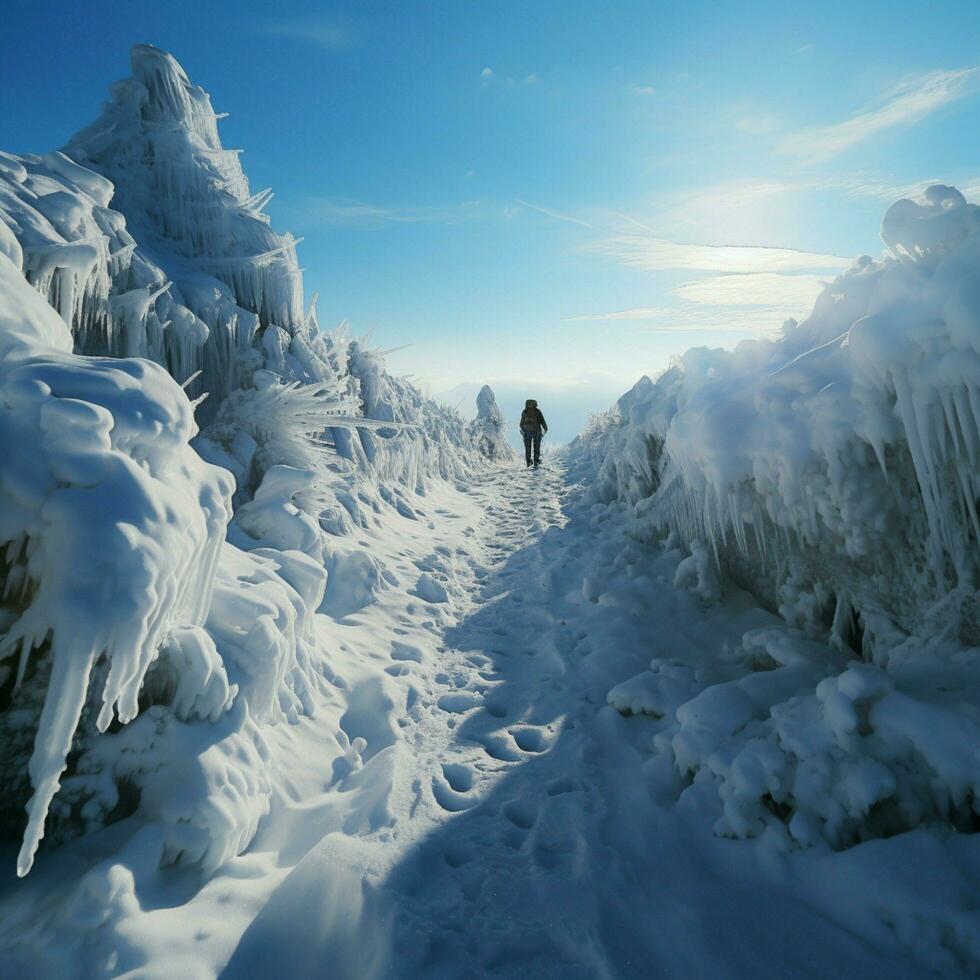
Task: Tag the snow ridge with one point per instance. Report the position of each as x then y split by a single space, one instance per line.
833 473
160 584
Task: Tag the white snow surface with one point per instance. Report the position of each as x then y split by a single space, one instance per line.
465 802
331 687
835 473
134 260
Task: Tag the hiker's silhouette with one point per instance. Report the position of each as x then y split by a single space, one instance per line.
533 427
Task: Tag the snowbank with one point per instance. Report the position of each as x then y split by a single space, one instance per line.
148 635
111 527
832 472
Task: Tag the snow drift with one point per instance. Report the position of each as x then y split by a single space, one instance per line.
141 653
833 472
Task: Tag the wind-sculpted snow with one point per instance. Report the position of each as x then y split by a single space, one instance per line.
834 472
488 427
138 647
111 525
187 202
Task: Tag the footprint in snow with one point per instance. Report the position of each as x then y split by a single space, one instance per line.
500 748
497 708
459 777
556 837
521 813
405 651
451 789
457 855
429 590
529 739
562 785
459 702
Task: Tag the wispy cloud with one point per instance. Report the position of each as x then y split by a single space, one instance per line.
637 313
642 91
694 320
792 295
557 215
910 102
489 77
321 33
732 194
690 212
748 289
655 254
345 211
756 303
889 190
766 322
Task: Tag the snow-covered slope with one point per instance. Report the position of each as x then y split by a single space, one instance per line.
834 473
142 653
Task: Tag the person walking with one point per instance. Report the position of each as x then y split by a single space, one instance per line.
533 426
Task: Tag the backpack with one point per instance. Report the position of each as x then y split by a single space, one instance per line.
531 419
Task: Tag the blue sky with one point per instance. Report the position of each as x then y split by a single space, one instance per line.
544 195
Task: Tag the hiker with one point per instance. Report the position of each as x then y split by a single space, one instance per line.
533 426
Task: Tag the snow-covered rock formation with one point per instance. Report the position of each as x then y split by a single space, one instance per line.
488 427
142 653
833 472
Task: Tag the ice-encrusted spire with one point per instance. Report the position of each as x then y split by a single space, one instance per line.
157 141
488 427
170 95
486 406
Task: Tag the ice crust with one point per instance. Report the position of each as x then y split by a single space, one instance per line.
160 584
833 472
837 466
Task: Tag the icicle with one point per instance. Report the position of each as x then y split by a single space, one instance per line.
965 418
842 612
63 703
258 201
238 259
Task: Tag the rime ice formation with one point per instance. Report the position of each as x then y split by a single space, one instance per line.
141 248
112 525
210 274
317 687
488 427
835 473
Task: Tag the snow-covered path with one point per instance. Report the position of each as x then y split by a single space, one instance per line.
466 803
506 822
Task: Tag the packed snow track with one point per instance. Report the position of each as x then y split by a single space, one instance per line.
470 805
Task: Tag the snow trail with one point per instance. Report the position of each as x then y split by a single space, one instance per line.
465 802
333 697
522 831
